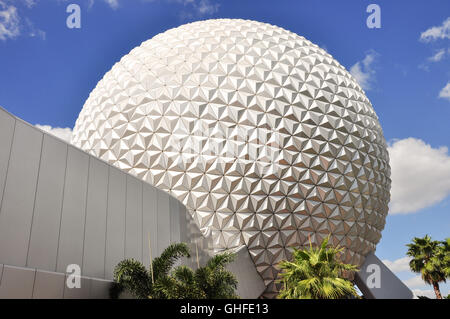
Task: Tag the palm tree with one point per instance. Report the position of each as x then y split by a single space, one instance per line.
215 280
444 255
316 273
131 275
430 258
162 282
212 281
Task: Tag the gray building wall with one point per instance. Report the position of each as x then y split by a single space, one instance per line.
61 206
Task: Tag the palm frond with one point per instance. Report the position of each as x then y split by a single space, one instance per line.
131 275
165 262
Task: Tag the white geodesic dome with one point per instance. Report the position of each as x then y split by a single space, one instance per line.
264 136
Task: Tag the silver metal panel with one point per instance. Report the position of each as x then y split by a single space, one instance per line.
133 230
16 212
175 211
71 237
99 289
48 285
95 232
163 221
47 209
389 285
78 293
250 283
73 204
17 283
182 217
150 223
7 123
115 231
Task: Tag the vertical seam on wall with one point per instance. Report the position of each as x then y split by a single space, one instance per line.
106 222
157 219
170 220
142 223
62 205
7 165
64 286
125 223
85 214
1 275
34 201
34 283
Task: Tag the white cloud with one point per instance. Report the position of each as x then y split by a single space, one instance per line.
420 175
205 7
113 3
192 7
363 70
435 33
9 21
445 92
32 31
438 56
398 265
12 25
63 133
414 282
30 3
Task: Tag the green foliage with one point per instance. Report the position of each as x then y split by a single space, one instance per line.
131 275
430 258
213 281
316 273
164 263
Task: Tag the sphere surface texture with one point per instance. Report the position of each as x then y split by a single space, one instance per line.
266 138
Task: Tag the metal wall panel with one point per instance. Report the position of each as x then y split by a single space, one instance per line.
70 250
174 220
48 285
95 232
99 289
16 212
183 224
133 224
115 231
150 223
163 221
78 293
47 209
17 283
61 207
250 283
7 123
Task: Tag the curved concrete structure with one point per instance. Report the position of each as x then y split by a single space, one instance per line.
62 206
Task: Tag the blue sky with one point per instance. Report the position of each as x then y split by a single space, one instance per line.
47 71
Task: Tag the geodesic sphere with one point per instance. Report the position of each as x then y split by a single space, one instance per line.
264 136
